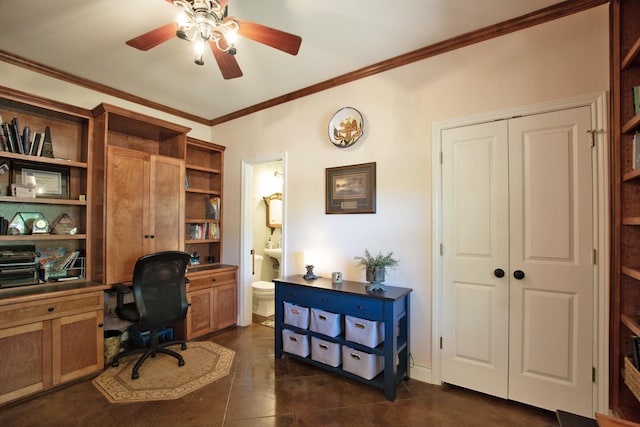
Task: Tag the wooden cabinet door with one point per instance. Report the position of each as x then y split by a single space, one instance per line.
200 320
145 209
26 360
166 204
127 184
225 309
78 346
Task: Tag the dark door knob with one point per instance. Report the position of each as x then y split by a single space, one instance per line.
498 272
518 274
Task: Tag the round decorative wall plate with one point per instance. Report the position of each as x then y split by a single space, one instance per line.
346 127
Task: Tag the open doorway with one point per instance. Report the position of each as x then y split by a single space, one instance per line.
263 232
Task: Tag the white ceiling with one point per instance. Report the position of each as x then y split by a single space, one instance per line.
86 38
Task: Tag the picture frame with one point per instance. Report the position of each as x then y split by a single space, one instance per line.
351 189
52 182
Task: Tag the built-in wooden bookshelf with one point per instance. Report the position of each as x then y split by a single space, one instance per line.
203 187
70 129
625 199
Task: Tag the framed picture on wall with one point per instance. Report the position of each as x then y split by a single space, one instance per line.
351 189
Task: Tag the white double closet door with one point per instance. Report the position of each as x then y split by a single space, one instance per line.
518 261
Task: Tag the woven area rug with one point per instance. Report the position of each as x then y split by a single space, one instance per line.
161 378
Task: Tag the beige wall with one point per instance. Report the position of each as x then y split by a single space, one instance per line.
564 58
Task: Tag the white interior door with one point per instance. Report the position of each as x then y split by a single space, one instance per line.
552 307
517 197
475 222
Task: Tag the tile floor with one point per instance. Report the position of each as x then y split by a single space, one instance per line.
261 391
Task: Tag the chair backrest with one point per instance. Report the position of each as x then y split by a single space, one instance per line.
159 288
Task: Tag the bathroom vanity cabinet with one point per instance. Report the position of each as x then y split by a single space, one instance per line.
351 299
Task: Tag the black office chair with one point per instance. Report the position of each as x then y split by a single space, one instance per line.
159 290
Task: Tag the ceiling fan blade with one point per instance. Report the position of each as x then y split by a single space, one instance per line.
277 39
227 63
153 38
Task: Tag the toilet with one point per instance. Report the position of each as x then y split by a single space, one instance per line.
263 292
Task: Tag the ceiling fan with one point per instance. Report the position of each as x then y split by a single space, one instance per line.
207 22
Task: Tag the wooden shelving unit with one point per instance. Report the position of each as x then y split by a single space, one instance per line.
71 129
204 169
625 197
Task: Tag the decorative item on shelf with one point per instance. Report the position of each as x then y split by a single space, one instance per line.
336 278
308 257
63 224
50 181
195 258
23 223
5 179
636 100
40 226
19 190
375 268
310 275
346 127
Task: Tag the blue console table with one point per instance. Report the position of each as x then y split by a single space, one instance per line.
352 298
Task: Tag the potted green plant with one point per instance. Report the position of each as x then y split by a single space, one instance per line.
375 268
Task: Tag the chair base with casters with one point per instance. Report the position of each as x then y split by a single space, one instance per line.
154 348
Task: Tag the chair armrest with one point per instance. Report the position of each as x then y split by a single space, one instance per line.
121 288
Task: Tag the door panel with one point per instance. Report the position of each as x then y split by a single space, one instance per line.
518 196
551 203
166 201
475 221
126 222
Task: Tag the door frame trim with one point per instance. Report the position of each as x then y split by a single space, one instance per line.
597 103
245 276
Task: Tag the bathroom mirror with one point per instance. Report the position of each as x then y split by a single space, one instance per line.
274 210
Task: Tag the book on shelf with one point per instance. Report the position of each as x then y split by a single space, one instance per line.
636 100
17 136
26 140
635 151
212 208
204 231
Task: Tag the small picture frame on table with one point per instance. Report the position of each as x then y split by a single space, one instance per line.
351 189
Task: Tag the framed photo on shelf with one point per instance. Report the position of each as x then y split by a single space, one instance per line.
50 181
351 189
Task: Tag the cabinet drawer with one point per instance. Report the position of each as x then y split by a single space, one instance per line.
210 279
48 309
329 301
296 295
367 308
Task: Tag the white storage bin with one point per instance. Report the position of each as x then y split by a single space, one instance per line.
326 323
362 364
362 331
325 352
296 315
295 343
